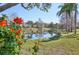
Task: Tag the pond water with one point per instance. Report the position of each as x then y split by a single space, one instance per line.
40 36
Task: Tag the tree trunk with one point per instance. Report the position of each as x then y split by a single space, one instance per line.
75 17
71 23
6 6
66 23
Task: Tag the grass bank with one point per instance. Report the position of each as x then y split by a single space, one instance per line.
67 44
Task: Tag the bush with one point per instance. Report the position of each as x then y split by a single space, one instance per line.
11 35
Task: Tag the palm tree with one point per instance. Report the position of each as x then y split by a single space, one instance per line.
75 17
62 11
69 8
73 7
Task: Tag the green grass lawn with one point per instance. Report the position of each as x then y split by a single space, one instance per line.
67 44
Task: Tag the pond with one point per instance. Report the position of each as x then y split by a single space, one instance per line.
45 35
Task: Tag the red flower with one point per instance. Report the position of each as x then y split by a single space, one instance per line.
19 31
18 20
3 23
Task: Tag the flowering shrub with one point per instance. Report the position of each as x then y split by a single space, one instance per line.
3 23
18 20
11 36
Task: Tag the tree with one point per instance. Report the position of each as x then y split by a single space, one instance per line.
51 26
40 26
30 23
75 17
69 8
6 6
27 6
62 11
41 6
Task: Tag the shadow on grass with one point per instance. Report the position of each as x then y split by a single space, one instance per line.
52 38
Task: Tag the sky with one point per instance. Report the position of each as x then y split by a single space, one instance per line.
34 14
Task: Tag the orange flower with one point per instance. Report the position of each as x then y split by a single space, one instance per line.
19 31
18 20
12 30
17 36
3 23
19 42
